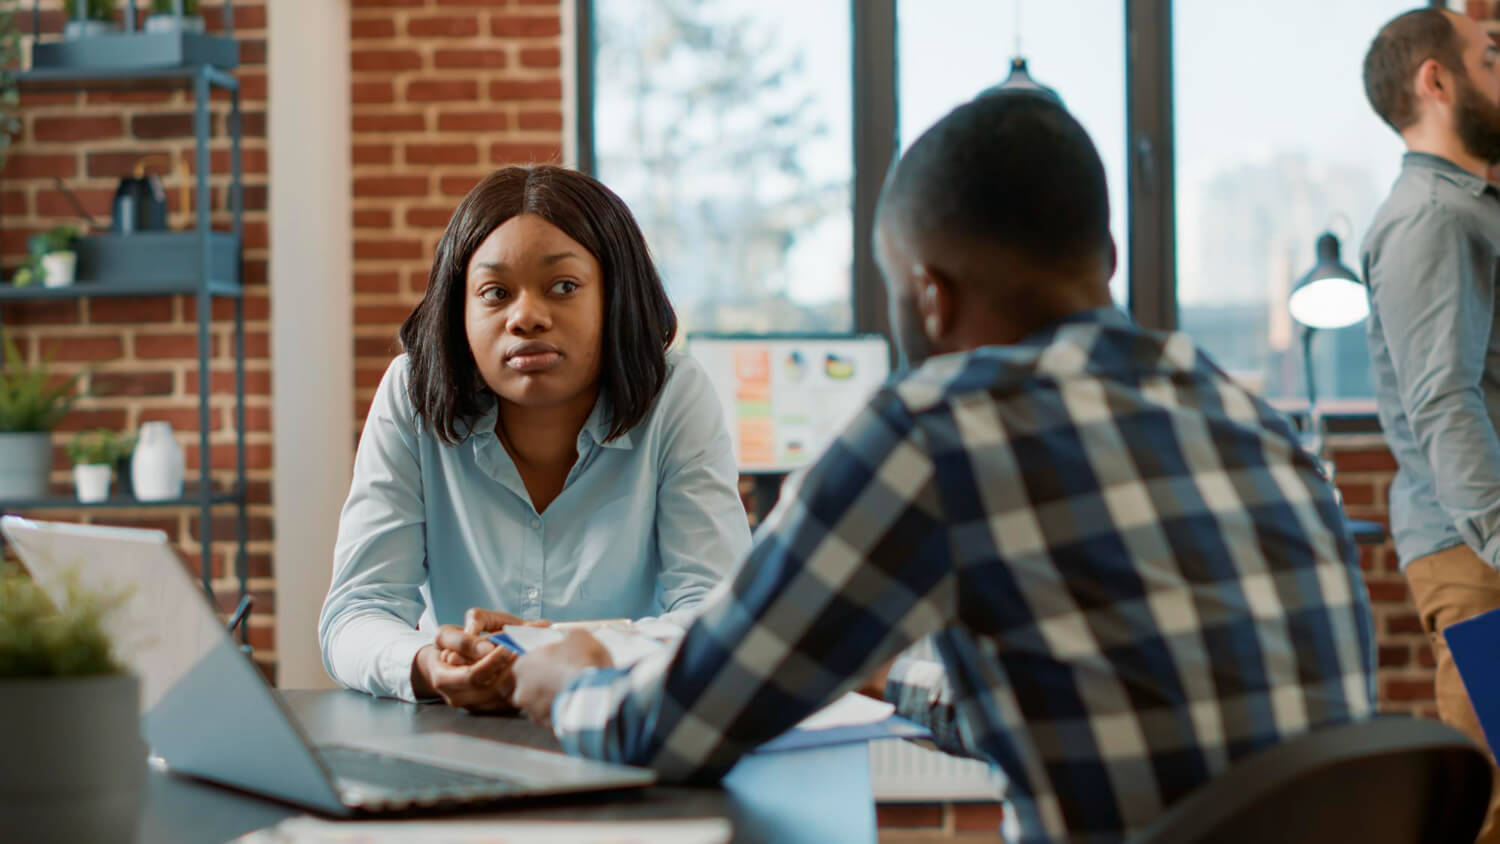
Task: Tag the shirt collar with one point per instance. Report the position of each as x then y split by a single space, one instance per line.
596 427
1109 316
1454 173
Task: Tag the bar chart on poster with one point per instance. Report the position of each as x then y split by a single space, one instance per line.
785 397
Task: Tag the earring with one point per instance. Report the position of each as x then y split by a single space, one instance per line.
934 326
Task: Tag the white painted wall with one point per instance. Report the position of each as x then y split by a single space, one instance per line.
311 314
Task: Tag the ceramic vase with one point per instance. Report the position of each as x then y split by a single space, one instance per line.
156 469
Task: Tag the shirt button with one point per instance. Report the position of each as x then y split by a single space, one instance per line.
536 523
532 593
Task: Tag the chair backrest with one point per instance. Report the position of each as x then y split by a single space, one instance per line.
1390 780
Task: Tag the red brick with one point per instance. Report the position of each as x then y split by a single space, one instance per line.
385 4
909 815
384 60
182 419
364 93
246 17
1403 623
387 249
1364 460
389 123
1425 656
369 281
257 344
1394 656
978 817
252 51
473 121
253 124
428 218
53 203
79 419
541 57
31 165
443 26
459 185
13 202
373 153
442 90
227 526
373 218
41 313
416 280
132 383
367 186
32 99
1357 493
541 120
1407 690
524 153
473 58
381 314
1388 590
77 128
362 28
525 26
383 348
442 154
257 307
86 348
257 418
142 96
159 346
257 456
526 89
252 158
166 125
150 310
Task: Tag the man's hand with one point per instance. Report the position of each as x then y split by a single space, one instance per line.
541 674
478 625
465 671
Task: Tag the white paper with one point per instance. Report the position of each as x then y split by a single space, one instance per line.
305 830
851 710
625 646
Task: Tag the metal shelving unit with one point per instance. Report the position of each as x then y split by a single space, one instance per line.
202 79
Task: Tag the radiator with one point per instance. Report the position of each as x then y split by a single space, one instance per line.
904 772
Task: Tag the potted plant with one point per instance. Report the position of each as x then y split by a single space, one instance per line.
69 719
52 256
94 454
88 18
31 403
174 16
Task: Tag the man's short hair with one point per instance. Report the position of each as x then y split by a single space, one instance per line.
1007 169
1394 56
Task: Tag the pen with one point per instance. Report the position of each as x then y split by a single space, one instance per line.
239 613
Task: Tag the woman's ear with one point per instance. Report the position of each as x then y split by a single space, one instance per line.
935 305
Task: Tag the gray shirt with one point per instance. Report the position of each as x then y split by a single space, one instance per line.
1430 262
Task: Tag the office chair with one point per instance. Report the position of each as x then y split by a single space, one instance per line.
1390 780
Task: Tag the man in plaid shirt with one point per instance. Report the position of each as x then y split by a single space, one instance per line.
1133 574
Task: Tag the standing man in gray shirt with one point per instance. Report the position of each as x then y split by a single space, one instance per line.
1430 259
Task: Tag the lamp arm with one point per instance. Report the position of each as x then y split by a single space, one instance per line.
1313 421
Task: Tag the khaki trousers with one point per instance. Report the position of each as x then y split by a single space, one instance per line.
1448 587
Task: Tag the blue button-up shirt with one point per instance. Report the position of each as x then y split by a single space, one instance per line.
1431 259
1135 576
646 525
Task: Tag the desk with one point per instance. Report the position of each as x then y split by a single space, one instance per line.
803 796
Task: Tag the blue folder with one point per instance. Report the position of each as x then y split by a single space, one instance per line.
1475 644
892 727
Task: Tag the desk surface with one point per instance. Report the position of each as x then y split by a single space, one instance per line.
809 795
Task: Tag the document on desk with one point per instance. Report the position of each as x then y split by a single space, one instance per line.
626 644
308 830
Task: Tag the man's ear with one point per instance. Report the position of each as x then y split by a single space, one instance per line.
936 303
1432 82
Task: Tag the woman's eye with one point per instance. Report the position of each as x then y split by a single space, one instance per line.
565 287
493 294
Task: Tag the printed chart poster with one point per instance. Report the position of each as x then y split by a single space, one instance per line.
785 399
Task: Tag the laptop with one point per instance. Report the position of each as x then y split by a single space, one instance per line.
208 712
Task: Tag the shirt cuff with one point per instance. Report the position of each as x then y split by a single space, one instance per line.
394 665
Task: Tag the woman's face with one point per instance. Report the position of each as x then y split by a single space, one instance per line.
534 314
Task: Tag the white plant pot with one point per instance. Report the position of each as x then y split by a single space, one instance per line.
25 463
157 467
91 480
88 29
58 268
75 762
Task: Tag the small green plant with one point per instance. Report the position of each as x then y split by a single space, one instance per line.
93 10
38 639
30 400
100 447
55 239
164 7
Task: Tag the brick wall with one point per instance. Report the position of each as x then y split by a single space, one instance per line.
140 355
444 92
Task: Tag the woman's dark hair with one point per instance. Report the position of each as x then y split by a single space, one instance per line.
445 386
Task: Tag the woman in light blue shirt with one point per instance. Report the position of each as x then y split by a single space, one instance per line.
537 450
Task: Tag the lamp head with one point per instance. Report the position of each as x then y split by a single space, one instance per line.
1330 295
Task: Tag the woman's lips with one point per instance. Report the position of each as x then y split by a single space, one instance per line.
532 362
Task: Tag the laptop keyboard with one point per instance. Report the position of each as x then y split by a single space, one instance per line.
406 781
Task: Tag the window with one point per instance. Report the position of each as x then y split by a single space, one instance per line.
1075 47
1274 146
726 126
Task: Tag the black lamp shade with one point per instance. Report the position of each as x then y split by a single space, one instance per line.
1330 295
1020 82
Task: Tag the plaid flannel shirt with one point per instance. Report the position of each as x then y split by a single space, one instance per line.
1134 574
